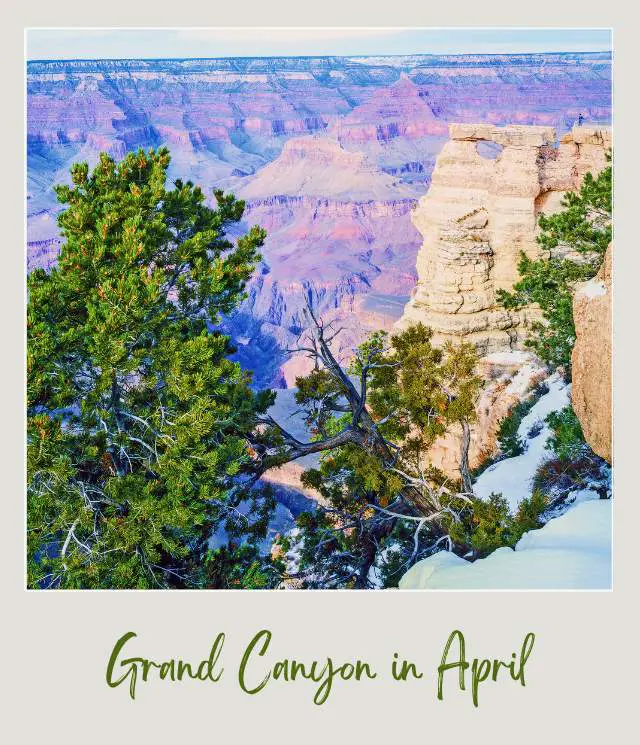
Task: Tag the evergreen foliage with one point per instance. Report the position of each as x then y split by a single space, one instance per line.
138 422
576 239
489 524
415 392
567 440
508 440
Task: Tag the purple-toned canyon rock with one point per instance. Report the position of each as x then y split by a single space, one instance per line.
330 154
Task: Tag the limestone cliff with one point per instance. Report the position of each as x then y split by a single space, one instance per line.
591 359
489 186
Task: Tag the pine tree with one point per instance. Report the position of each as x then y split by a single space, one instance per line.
138 422
576 239
381 496
462 387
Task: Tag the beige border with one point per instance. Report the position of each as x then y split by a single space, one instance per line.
581 674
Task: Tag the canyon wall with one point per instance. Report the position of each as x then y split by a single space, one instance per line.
331 155
488 189
338 230
591 359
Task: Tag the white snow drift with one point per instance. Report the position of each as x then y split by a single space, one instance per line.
512 477
570 552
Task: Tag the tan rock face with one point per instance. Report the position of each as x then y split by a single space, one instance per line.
591 359
479 214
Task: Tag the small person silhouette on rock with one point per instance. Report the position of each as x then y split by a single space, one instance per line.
580 120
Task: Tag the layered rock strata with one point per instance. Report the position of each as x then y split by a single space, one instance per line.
488 189
591 359
336 207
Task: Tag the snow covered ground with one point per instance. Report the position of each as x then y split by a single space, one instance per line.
513 477
571 552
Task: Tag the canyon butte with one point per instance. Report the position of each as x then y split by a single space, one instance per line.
480 213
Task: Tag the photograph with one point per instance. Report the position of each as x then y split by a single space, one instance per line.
319 308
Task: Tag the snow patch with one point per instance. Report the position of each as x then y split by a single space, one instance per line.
375 572
520 384
593 288
513 477
570 552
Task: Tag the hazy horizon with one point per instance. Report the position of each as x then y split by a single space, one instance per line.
93 44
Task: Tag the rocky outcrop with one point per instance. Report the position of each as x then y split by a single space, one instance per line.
488 188
591 359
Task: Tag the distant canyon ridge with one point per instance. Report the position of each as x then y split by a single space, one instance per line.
331 156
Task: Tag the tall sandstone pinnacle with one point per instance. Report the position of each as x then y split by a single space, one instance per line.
591 359
488 189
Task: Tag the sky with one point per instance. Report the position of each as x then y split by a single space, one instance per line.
122 43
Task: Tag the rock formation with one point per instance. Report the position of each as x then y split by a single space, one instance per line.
399 111
320 166
488 188
337 208
591 359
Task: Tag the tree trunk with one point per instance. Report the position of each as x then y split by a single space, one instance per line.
464 458
368 559
371 540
